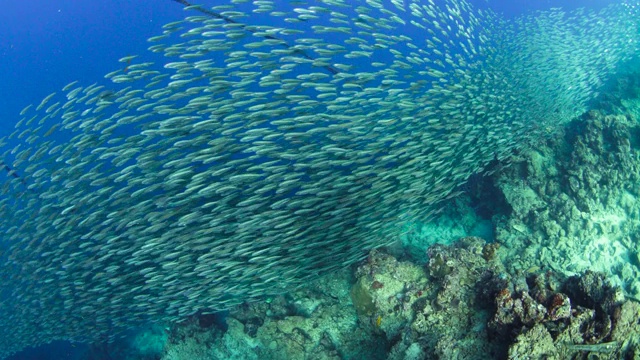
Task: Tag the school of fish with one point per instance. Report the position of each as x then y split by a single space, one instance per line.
276 142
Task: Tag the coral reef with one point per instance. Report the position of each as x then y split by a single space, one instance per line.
575 202
318 322
461 305
451 322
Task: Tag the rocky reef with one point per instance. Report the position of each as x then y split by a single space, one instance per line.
462 304
574 202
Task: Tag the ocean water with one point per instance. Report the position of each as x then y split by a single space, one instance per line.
49 43
45 45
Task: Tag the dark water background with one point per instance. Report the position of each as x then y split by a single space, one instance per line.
45 44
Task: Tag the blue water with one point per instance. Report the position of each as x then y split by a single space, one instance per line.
45 44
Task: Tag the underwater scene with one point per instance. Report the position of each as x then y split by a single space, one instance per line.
320 179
